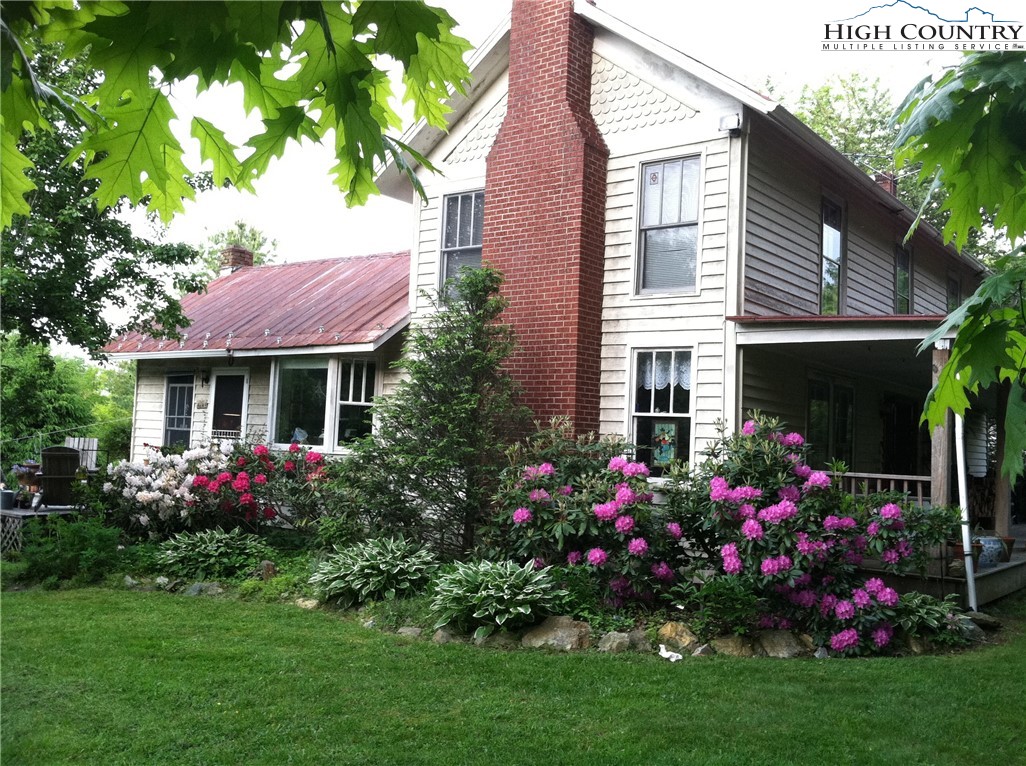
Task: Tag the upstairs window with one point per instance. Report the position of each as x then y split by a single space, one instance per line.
662 407
669 226
463 228
830 296
902 280
954 293
178 410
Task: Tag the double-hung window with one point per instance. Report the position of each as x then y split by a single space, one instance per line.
669 226
902 280
463 228
178 410
833 259
323 402
953 298
662 407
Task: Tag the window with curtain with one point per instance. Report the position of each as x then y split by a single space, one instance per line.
669 226
662 407
833 259
463 229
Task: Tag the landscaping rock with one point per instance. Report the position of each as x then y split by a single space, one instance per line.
163 583
500 640
409 631
130 582
267 570
204 589
733 646
307 603
917 645
985 621
781 644
447 636
705 650
677 635
821 653
369 623
639 641
614 643
807 642
562 633
972 631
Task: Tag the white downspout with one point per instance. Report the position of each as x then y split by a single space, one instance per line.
963 501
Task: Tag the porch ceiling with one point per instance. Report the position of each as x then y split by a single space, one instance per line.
892 361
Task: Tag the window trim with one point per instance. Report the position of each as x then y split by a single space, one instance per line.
833 383
443 251
332 401
166 401
638 260
214 374
842 260
632 415
899 251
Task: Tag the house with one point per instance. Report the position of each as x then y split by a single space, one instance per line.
677 249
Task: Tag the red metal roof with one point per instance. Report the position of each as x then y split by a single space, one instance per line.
331 302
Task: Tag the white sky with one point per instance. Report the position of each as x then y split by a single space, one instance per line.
297 205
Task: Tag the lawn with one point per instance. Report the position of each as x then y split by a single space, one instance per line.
97 676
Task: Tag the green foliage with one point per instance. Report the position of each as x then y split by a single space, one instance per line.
79 550
432 465
213 554
937 620
309 69
718 606
395 613
265 251
290 582
385 568
486 595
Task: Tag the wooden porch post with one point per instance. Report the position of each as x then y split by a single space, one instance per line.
1002 487
940 439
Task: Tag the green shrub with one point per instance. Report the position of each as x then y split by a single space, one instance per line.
719 606
290 582
494 594
78 549
382 568
400 613
211 554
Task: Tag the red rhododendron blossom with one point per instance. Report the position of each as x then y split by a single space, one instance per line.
246 500
289 466
200 482
294 447
260 450
260 479
224 477
240 461
269 513
314 457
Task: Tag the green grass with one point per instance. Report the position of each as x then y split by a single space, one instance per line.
113 677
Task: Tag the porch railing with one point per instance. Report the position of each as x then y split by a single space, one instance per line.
916 487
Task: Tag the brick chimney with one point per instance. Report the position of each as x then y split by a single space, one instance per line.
887 181
544 225
233 258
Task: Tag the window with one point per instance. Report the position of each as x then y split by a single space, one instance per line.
228 412
831 422
464 228
662 407
954 294
178 410
833 259
355 394
323 402
902 280
669 226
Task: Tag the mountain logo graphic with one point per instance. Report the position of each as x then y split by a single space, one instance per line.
983 17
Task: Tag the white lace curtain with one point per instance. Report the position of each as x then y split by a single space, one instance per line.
660 369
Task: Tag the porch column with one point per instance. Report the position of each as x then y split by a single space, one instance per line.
940 439
1002 486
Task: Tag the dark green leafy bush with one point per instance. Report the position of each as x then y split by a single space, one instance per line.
213 553
383 568
78 549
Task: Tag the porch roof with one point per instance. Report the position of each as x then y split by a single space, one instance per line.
764 330
336 304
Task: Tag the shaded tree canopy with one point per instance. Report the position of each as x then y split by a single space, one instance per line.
265 251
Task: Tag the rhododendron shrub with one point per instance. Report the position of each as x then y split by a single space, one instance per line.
757 512
580 503
225 486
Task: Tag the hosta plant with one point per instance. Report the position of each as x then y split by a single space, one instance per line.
384 568
486 595
213 553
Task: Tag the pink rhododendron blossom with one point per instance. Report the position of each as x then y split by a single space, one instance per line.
873 529
904 548
861 598
662 572
846 639
617 464
624 525
522 515
827 603
635 469
752 529
533 472
746 511
766 622
573 558
260 450
874 585
816 480
731 561
624 494
775 514
844 610
775 565
804 598
748 429
537 495
620 585
833 523
891 512
802 471
859 542
718 489
539 562
803 580
294 447
673 530
567 490
740 494
597 557
889 556
607 511
882 635
791 494
887 597
638 546
792 440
